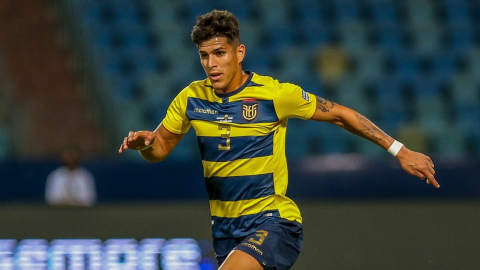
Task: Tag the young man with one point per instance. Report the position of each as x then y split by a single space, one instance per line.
240 119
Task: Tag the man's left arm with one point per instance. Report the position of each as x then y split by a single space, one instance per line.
412 162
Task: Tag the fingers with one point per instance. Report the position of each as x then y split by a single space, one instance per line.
132 140
149 138
126 140
429 174
431 180
425 170
419 165
124 145
431 162
131 136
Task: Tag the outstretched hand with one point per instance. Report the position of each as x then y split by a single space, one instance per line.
418 164
137 140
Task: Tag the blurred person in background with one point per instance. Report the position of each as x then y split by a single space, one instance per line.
240 119
332 64
70 184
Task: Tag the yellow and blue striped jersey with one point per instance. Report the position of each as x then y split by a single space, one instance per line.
241 136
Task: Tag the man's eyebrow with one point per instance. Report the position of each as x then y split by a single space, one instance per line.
214 50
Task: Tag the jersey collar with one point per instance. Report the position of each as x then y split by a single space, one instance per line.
229 94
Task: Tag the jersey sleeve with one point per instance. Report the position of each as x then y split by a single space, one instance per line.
291 101
176 120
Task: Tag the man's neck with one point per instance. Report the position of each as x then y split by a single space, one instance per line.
241 80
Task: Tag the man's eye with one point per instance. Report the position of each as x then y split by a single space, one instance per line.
204 55
220 53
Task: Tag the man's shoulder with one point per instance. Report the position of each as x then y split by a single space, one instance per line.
196 88
58 173
83 171
264 80
199 85
271 82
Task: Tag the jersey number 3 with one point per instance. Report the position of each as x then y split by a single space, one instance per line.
226 135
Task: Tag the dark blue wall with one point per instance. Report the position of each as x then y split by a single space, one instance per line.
314 178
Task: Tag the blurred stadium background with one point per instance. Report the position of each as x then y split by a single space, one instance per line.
89 71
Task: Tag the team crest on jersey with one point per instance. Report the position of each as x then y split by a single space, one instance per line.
250 109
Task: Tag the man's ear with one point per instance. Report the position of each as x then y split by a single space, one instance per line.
240 53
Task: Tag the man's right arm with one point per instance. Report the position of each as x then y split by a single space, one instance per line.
153 146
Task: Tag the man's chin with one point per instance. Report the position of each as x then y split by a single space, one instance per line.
218 86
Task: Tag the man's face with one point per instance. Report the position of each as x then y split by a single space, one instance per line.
221 61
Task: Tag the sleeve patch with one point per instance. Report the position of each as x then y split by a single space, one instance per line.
305 96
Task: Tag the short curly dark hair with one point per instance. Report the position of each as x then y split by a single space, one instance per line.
217 23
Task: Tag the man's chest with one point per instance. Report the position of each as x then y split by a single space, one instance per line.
241 112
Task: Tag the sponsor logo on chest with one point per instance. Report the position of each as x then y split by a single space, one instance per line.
205 111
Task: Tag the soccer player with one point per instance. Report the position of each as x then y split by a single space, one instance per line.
240 119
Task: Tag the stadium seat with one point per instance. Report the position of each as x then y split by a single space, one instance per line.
251 35
296 135
351 94
472 59
354 36
158 87
332 139
162 11
187 149
241 9
136 38
390 103
427 86
172 37
145 61
310 11
126 13
131 118
461 35
124 89
258 60
280 36
369 64
195 8
311 83
445 65
457 10
427 38
295 62
466 99
384 12
347 11
431 114
420 12
465 90
390 37
273 12
316 34
450 143
369 149
406 65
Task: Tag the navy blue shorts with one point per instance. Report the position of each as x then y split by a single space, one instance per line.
275 245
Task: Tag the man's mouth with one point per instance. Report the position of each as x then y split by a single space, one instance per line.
215 76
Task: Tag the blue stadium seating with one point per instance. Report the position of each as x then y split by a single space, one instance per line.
384 12
142 51
391 104
310 11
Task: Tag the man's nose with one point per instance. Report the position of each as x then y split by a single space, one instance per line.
211 61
